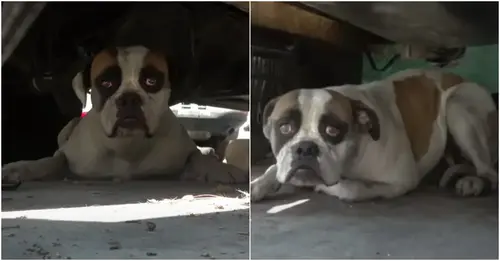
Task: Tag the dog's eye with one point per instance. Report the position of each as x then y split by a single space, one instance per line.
107 84
286 128
332 131
150 81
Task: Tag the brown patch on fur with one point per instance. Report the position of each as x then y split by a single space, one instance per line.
284 103
449 80
417 98
157 60
101 62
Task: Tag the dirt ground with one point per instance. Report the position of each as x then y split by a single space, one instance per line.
162 220
426 224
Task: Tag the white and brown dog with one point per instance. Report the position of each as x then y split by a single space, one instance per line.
130 133
379 139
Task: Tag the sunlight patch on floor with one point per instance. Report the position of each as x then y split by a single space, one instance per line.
279 208
186 206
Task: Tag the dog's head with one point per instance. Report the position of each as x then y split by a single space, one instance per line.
314 134
130 90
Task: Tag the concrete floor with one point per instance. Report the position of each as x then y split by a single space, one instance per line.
426 224
62 220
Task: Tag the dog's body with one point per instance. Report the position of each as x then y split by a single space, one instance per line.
379 139
130 133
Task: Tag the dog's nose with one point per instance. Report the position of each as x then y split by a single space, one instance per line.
129 99
307 149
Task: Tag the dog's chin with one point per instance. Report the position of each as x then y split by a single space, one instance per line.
305 175
130 127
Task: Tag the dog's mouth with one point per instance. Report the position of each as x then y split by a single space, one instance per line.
130 122
305 174
128 125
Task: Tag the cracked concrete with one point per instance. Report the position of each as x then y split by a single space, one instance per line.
426 224
99 220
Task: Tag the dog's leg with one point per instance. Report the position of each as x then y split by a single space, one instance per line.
208 169
264 185
473 133
355 190
42 169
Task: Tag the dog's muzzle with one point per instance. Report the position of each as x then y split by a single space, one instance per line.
305 165
129 114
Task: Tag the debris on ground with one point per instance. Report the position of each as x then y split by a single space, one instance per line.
151 254
36 248
114 245
206 255
11 235
150 226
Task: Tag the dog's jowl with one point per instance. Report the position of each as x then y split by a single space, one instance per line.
130 133
379 139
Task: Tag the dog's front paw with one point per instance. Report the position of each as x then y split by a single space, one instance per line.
15 172
345 191
469 186
259 189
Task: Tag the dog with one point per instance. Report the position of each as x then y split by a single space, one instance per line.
130 132
379 139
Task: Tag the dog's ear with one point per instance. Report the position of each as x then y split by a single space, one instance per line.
79 88
366 119
268 109
81 84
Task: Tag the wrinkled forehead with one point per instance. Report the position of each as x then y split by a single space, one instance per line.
130 59
313 103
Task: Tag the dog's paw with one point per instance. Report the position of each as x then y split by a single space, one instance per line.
259 190
15 172
469 186
345 190
334 190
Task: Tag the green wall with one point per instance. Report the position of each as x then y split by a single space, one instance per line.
479 64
